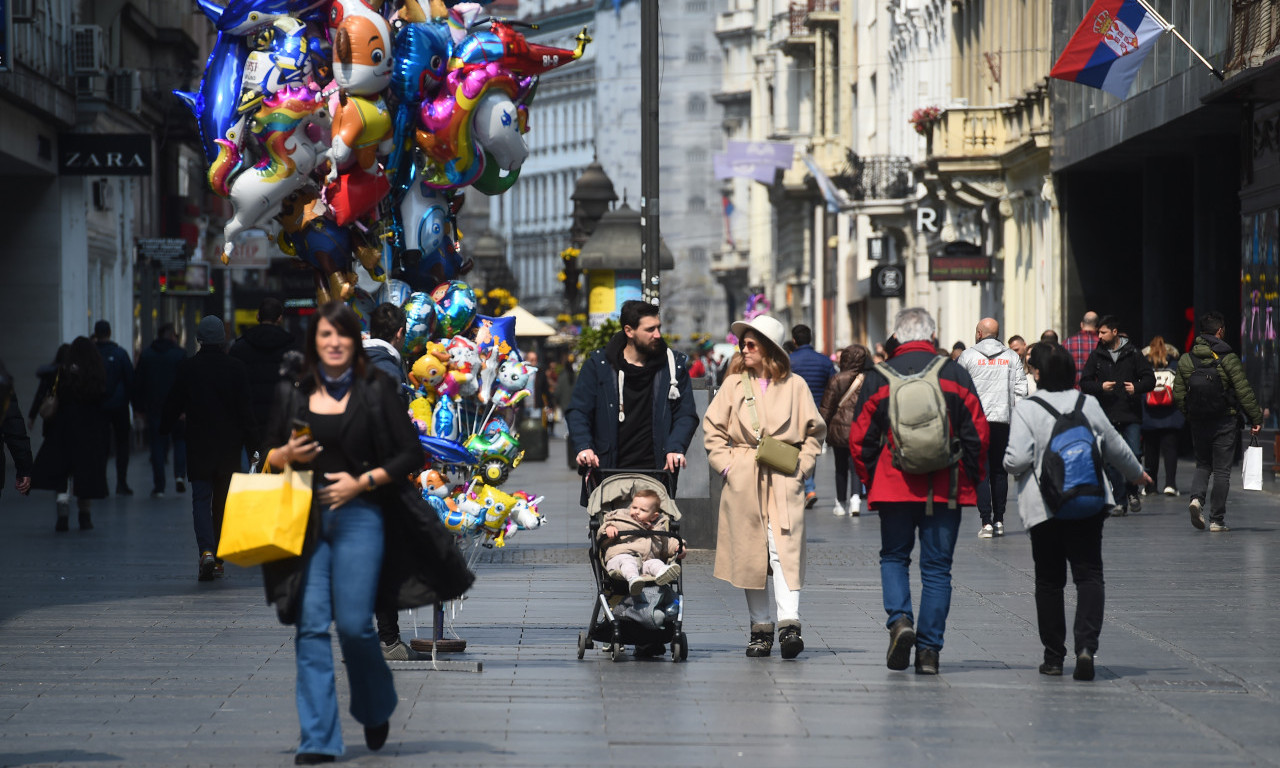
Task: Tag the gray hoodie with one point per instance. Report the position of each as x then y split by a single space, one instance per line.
1029 434
998 377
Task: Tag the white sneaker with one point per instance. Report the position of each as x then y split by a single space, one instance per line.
1169 490
987 531
999 529
838 510
855 506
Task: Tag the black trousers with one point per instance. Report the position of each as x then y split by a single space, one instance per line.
388 626
993 491
1215 444
844 472
118 418
1161 445
1054 545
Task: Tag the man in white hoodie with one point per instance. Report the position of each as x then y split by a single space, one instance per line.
999 379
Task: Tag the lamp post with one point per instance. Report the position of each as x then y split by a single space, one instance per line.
650 245
592 194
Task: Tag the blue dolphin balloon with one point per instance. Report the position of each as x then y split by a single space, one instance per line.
420 62
239 17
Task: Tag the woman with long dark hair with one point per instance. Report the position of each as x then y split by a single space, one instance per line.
343 420
837 410
761 530
1161 419
74 448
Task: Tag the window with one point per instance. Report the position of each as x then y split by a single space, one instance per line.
696 6
697 104
696 54
698 255
697 204
695 155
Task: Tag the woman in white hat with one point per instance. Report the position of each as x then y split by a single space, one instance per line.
762 506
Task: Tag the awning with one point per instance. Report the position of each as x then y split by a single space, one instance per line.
528 325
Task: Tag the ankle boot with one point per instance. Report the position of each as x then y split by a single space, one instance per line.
761 642
789 639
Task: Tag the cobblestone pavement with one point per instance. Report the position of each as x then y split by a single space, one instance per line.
111 653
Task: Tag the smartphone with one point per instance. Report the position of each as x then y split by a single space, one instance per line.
301 428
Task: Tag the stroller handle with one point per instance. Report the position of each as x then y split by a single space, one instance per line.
592 477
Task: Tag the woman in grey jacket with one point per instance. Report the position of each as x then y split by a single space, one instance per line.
1057 542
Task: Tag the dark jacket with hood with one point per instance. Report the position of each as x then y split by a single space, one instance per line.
157 371
1124 364
1240 397
261 349
212 389
119 370
421 564
592 415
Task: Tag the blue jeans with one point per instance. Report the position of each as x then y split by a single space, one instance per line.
809 485
340 583
160 451
1132 435
898 525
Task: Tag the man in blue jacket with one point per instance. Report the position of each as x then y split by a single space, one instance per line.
816 369
633 406
119 368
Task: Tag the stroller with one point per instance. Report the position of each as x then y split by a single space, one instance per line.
656 615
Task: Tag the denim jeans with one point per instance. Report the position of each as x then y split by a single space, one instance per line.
1215 446
160 451
993 491
340 584
1132 435
809 485
208 502
898 525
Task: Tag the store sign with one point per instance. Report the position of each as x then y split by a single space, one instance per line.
888 281
960 261
104 154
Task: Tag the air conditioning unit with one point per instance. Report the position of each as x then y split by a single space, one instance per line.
23 11
90 87
124 88
87 54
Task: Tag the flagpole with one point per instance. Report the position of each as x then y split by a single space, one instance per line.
1170 28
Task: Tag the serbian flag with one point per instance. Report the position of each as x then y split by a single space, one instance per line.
1109 46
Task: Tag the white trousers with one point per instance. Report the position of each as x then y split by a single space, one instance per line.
630 568
786 600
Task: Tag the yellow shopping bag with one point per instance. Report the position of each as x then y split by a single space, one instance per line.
266 517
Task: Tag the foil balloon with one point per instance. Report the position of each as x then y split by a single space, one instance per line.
394 292
513 383
455 307
525 512
496 127
495 333
496 506
445 451
363 305
419 63
420 321
444 421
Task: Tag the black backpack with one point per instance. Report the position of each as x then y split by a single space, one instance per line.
1206 390
1071 480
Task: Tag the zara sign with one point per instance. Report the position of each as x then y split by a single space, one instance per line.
104 154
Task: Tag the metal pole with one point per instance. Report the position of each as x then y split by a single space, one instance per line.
1170 29
650 240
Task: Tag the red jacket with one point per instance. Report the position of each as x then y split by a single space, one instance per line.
869 437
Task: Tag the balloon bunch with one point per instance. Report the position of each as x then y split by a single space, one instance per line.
468 379
346 128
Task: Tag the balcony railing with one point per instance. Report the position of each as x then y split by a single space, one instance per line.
969 132
877 177
1255 34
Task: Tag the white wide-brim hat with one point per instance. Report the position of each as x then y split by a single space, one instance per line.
767 327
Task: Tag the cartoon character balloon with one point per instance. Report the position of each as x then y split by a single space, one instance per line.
421 316
455 307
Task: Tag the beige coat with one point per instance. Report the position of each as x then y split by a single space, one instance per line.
753 493
644 547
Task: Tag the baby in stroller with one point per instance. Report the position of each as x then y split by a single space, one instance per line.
641 560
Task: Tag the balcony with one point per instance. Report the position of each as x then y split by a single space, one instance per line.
823 12
976 139
877 177
739 22
1254 37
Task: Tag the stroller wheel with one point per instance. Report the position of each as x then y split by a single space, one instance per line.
584 642
616 653
679 647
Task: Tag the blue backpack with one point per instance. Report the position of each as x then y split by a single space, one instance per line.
1071 480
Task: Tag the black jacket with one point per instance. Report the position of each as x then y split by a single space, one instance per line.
382 359
154 378
421 563
212 389
74 444
14 432
1128 366
261 348
119 375
593 413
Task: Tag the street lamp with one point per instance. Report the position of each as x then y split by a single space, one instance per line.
612 259
592 194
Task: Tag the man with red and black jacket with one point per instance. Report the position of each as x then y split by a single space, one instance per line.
901 498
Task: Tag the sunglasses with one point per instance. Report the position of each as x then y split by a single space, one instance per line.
750 344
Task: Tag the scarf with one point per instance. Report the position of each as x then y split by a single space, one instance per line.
340 386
